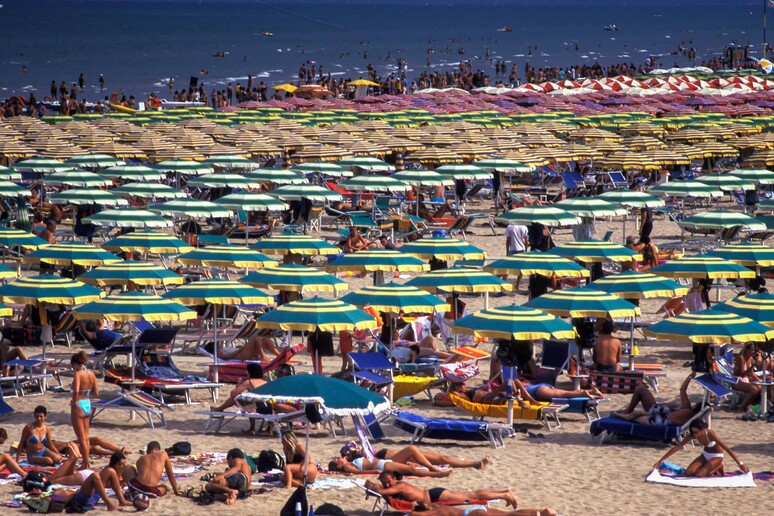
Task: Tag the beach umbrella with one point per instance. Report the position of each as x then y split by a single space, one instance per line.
147 242
131 272
514 322
366 163
686 189
193 208
759 176
94 161
87 196
226 255
7 174
583 302
128 218
9 189
230 162
184 167
277 176
76 179
545 215
442 248
639 285
423 178
224 180
250 201
40 166
503 165
39 291
758 307
6 273
595 251
590 207
71 253
305 191
289 243
459 171
702 267
749 254
149 191
321 167
375 183
295 278
721 219
710 327
132 173
537 262
10 237
727 182
459 280
767 205
394 299
218 292
316 314
632 199
377 260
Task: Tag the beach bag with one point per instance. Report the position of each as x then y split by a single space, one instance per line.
35 481
269 460
179 448
43 504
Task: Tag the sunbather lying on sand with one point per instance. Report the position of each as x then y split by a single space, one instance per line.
363 465
413 455
479 510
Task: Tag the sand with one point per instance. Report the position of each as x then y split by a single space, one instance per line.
567 470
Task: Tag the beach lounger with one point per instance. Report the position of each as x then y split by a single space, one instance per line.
143 404
26 383
383 503
623 382
545 411
714 391
610 428
235 371
217 420
421 427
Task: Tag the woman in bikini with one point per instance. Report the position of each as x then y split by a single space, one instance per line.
710 462
111 475
84 385
36 441
363 465
295 453
412 454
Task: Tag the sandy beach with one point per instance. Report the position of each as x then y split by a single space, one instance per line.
567 470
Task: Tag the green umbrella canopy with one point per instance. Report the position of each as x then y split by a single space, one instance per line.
190 208
632 199
6 272
639 285
767 205
758 307
546 215
321 167
338 397
149 191
710 326
423 178
230 162
224 180
305 191
702 267
316 314
295 278
76 179
86 196
134 306
514 322
94 161
147 242
503 165
128 218
18 238
462 171
720 220
71 253
372 260
226 255
727 182
366 163
749 254
33 290
442 248
590 207
536 262
288 243
132 173
249 201
218 292
375 183
685 189
583 302
185 167
393 298
759 176
9 189
458 280
40 166
277 176
8 174
131 272
595 251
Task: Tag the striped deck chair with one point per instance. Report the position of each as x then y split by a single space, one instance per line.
236 371
143 404
543 411
63 330
623 382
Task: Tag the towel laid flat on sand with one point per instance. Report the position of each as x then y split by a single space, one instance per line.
729 480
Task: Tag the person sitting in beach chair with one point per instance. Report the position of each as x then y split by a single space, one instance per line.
710 462
8 353
607 349
95 333
257 348
356 242
363 465
656 413
413 455
392 486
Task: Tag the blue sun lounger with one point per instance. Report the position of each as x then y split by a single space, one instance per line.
451 429
609 428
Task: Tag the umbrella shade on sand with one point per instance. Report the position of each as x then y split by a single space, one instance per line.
546 215
720 220
514 322
295 278
72 253
289 243
699 267
226 256
536 262
583 302
394 299
710 326
749 254
442 248
131 272
128 218
639 285
147 242
86 196
593 251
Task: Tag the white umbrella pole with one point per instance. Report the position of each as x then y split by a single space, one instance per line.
215 347
631 347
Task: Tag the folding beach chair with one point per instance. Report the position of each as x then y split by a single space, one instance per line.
421 427
714 391
622 382
574 184
366 365
235 371
27 382
610 428
143 404
618 180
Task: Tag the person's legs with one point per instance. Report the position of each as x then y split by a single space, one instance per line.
110 479
94 484
412 454
751 393
106 445
407 469
7 462
290 475
642 395
438 458
66 473
81 433
222 492
547 393
480 494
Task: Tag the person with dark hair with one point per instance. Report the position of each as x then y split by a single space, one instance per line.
656 413
710 462
413 455
8 353
254 380
36 441
84 385
97 335
110 476
363 465
234 482
744 368
646 227
150 468
295 455
607 349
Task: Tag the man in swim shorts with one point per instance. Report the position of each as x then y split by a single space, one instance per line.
234 482
150 468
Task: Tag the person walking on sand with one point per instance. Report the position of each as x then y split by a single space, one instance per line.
84 385
150 468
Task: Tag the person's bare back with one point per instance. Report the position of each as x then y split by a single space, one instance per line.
150 468
607 349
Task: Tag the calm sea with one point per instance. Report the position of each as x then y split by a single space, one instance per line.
138 46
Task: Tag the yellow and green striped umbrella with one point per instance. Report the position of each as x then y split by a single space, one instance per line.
295 278
183 166
710 326
463 171
7 273
40 165
94 161
759 176
639 285
76 179
632 199
18 238
225 180
134 306
250 201
218 292
749 254
226 255
131 272
546 215
583 302
9 189
758 307
536 262
71 253
459 280
590 207
442 248
686 189
595 251
727 182
147 242
514 322
34 290
712 267
375 183
132 173
373 260
305 191
317 314
277 176
289 243
393 298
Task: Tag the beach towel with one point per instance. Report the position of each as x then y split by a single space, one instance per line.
738 479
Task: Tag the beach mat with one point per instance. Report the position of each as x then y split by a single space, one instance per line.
729 480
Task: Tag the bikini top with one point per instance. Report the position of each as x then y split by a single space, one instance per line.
34 439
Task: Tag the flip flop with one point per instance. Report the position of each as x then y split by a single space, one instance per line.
208 477
535 435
